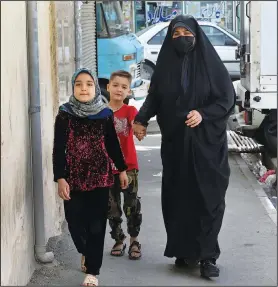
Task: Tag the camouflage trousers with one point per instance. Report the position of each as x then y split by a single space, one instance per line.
131 207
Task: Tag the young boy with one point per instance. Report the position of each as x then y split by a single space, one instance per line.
119 89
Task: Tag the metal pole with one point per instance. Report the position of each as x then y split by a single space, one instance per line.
133 16
234 19
184 7
146 13
78 34
35 113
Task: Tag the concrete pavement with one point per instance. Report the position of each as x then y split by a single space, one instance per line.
248 238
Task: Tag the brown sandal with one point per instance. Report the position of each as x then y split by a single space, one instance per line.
121 250
130 251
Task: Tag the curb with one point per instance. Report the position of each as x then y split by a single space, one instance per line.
270 209
139 98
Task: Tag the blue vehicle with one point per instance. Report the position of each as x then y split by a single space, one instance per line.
117 48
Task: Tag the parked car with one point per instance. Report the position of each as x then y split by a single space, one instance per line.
224 41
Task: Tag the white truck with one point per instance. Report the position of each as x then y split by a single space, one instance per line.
257 89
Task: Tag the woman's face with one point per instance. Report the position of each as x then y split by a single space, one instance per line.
84 88
183 40
181 32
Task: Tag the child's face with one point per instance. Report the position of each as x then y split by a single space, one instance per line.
119 88
84 88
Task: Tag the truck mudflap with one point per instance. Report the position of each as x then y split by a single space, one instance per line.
141 91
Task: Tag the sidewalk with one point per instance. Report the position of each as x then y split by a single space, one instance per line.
248 238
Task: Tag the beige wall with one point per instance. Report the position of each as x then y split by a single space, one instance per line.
16 192
53 204
17 233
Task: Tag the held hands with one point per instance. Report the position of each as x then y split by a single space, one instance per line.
63 189
139 131
123 180
194 118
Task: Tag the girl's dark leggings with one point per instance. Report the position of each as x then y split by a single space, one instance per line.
86 215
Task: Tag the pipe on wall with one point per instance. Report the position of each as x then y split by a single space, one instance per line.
35 116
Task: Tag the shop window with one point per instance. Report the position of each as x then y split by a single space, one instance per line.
101 26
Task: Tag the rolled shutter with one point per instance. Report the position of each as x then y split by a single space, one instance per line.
88 35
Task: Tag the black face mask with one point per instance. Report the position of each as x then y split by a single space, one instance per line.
184 44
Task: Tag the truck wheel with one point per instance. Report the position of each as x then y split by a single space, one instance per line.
147 71
266 134
270 134
271 144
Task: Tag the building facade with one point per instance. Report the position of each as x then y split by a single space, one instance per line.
220 12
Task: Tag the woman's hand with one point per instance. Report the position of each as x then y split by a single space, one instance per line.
194 118
123 180
139 130
63 189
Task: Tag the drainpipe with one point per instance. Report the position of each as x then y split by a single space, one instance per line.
78 31
35 114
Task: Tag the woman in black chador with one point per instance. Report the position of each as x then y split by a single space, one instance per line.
192 95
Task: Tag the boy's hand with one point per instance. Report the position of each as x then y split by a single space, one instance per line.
63 189
123 180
